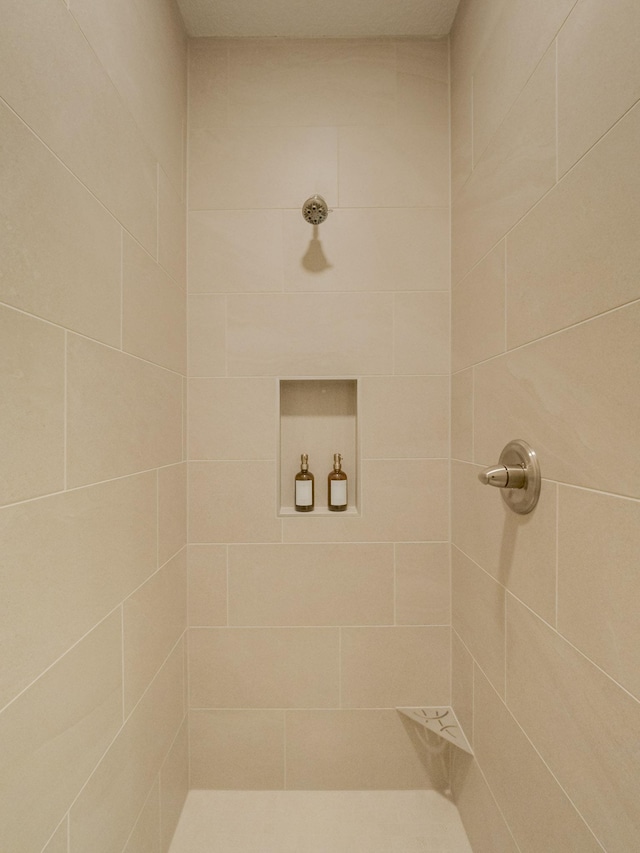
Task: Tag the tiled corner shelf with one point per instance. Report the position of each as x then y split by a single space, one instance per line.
441 720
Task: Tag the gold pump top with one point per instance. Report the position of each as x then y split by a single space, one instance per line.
337 462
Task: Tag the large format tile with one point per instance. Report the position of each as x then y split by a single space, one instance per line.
206 340
597 73
237 749
208 76
478 616
590 740
263 667
153 310
372 249
58 843
52 736
309 334
421 333
517 168
562 392
110 802
318 585
123 414
576 254
481 817
404 417
32 413
172 511
154 619
232 419
229 170
88 548
513 769
462 415
172 230
60 247
423 583
462 685
358 750
54 81
174 785
517 550
218 506
207 593
390 667
145 836
598 584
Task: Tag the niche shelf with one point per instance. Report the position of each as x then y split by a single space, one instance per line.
318 417
441 720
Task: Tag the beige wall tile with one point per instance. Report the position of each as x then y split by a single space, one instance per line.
395 666
241 750
422 100
60 247
229 171
471 32
154 619
54 81
145 837
263 667
235 251
518 40
54 733
233 418
423 57
207 335
143 48
420 487
153 310
587 747
480 814
368 249
576 254
32 373
462 415
404 417
318 585
58 842
309 334
218 508
275 82
172 511
462 685
207 567
174 785
562 392
208 82
397 166
478 616
597 73
107 808
172 230
123 415
519 551
478 320
421 333
517 168
357 750
423 581
598 586
98 544
513 769
461 132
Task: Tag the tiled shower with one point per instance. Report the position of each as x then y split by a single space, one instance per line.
166 622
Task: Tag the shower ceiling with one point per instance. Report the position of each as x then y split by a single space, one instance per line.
318 18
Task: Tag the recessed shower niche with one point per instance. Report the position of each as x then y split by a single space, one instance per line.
318 417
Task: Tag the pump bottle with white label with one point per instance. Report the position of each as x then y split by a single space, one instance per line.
337 481
304 485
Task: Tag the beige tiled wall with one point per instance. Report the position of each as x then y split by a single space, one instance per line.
545 330
93 484
308 631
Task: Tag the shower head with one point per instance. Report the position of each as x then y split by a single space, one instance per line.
315 210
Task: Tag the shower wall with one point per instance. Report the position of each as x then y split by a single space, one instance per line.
93 352
308 630
546 216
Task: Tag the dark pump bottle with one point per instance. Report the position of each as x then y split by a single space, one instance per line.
337 481
304 496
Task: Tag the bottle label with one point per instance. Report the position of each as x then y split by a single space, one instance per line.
304 492
338 492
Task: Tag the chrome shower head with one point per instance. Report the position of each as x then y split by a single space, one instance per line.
315 210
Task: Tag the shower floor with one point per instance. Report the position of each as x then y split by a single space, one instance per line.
319 822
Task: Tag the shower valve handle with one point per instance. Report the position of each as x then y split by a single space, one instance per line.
504 476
